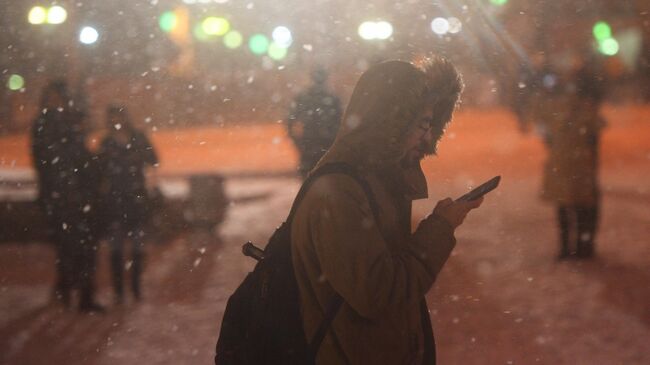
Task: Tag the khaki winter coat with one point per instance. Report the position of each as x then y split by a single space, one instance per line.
381 269
572 126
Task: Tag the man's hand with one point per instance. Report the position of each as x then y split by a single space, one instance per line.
454 212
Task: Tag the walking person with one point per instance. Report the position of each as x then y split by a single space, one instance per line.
124 155
379 267
67 180
314 121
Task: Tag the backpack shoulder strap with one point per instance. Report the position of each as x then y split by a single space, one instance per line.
336 302
335 168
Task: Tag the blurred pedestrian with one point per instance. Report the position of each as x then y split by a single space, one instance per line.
567 106
124 155
66 173
314 121
377 266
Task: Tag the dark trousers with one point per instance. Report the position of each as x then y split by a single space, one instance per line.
120 235
577 224
76 262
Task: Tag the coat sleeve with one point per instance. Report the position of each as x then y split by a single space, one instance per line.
359 265
149 155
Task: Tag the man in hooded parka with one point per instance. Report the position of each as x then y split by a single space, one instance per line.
380 268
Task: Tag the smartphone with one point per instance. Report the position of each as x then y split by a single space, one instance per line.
481 190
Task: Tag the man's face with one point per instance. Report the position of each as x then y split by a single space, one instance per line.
421 138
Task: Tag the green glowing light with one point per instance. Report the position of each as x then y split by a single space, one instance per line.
277 52
215 26
233 39
602 31
609 47
168 21
15 82
200 34
499 2
258 44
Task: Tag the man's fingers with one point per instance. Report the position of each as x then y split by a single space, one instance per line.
472 204
446 202
475 203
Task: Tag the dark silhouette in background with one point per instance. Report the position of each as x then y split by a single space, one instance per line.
565 106
124 155
314 121
67 180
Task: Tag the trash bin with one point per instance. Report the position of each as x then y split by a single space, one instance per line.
207 201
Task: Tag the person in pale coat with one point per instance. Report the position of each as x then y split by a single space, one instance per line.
381 269
567 108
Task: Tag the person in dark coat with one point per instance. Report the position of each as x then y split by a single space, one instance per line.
380 267
314 121
124 155
67 180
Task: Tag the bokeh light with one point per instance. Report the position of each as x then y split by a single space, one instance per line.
375 30
15 82
277 51
367 30
88 35
233 39
258 44
168 21
282 36
440 26
215 26
602 31
37 15
383 30
609 47
57 15
199 33
499 2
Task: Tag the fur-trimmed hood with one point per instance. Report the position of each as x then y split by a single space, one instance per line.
384 103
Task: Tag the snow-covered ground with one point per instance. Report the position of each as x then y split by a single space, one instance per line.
501 299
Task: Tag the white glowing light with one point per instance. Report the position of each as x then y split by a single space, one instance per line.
56 15
282 36
375 30
440 26
367 30
383 30
88 35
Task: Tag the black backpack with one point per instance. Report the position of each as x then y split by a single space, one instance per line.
262 323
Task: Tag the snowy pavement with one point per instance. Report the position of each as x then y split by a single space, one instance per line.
501 299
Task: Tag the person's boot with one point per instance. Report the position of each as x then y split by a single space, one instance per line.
586 231
136 274
563 220
117 277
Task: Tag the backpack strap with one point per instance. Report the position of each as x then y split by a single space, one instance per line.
335 168
336 302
